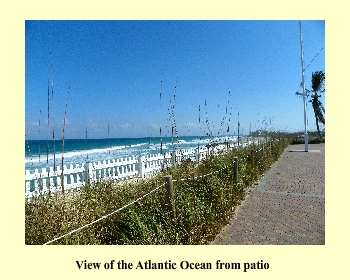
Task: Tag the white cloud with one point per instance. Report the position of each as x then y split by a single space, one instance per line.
154 126
125 125
67 122
92 124
191 125
34 123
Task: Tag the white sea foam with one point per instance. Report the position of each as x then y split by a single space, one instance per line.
122 151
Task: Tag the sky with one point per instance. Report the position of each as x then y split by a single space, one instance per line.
116 79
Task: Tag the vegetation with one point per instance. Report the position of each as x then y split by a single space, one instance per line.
202 205
294 138
317 80
317 85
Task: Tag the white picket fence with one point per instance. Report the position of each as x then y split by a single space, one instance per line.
45 181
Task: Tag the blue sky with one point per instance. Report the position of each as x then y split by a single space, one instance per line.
117 69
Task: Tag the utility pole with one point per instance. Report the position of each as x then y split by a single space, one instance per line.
304 93
238 128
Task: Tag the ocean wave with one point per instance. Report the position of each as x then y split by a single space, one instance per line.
123 150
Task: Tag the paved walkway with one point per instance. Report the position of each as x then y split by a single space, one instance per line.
288 205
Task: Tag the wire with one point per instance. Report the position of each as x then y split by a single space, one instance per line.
103 217
314 58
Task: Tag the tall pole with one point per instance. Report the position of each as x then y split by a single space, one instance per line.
304 93
238 128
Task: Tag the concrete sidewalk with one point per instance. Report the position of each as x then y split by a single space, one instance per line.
288 205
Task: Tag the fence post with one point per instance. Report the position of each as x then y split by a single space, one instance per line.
173 158
235 173
87 174
252 158
198 154
139 166
263 150
169 202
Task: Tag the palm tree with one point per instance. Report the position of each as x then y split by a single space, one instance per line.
317 83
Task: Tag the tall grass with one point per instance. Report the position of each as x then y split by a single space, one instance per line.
63 127
160 115
202 206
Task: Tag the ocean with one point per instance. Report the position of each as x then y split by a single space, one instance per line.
43 153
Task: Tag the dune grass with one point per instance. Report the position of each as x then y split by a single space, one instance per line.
202 206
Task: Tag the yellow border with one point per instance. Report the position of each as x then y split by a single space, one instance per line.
58 262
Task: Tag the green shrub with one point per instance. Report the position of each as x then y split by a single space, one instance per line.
311 141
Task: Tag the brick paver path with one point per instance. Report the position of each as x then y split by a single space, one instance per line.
288 205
